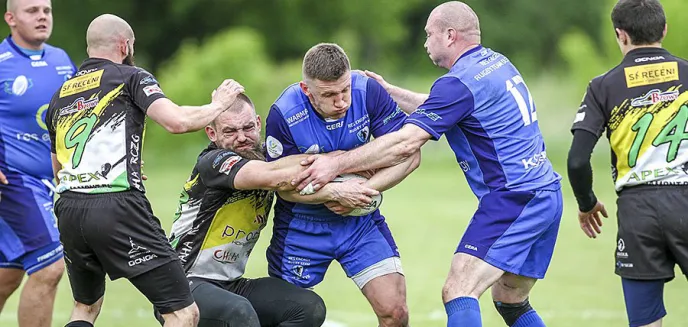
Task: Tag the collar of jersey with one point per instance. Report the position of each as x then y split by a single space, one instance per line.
19 50
645 51
469 52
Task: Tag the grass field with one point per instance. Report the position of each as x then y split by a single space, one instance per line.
427 214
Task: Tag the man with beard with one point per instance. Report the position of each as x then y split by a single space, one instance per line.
30 72
96 123
223 208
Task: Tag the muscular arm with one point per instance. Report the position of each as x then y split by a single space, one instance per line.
389 177
385 151
272 176
580 170
325 194
407 100
182 119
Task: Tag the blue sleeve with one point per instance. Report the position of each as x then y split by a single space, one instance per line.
278 140
385 114
449 102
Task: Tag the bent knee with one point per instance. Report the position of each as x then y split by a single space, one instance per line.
394 315
512 289
314 310
235 312
50 275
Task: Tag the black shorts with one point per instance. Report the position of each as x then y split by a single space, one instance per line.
116 234
653 232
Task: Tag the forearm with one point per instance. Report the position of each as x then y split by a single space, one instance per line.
56 167
389 177
385 151
580 170
407 100
193 118
325 194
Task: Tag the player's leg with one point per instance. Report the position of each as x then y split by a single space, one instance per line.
278 303
86 275
651 229
370 258
511 232
10 279
301 249
510 295
45 267
138 250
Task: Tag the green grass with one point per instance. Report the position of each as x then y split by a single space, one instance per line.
428 213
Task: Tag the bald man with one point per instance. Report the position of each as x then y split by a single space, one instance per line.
487 113
30 72
96 123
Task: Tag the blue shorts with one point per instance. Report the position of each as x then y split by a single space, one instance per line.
34 261
302 248
515 230
27 221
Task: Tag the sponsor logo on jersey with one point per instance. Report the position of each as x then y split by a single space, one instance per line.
654 96
81 83
17 86
219 158
228 164
651 74
148 80
431 115
152 89
535 161
298 117
334 126
274 147
5 56
79 105
39 63
646 59
363 134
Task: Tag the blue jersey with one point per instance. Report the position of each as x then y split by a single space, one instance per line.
294 127
27 83
487 113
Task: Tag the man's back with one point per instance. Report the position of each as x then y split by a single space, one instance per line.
490 123
97 126
27 84
641 105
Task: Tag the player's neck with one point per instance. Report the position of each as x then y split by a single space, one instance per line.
23 44
107 56
630 48
466 48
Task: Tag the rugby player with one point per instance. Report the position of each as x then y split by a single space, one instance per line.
642 107
223 208
487 113
96 122
30 72
333 109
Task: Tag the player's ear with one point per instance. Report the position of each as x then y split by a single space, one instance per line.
665 31
210 131
9 19
304 88
259 123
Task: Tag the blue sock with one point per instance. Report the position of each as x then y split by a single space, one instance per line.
529 319
463 312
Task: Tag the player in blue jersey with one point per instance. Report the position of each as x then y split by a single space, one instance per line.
333 109
487 114
30 72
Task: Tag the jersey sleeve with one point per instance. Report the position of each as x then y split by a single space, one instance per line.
278 139
385 115
145 89
449 102
218 168
590 116
49 122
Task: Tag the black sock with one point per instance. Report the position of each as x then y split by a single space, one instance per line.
79 323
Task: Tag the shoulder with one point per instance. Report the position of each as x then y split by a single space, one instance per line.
292 102
212 158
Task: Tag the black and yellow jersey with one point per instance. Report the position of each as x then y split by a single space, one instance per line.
216 226
96 122
643 106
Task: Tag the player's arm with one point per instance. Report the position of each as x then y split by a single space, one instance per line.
49 123
176 119
449 102
56 167
408 100
587 128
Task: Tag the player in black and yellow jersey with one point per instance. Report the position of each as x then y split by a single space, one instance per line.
96 123
642 105
224 207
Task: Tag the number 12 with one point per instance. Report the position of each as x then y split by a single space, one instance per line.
527 109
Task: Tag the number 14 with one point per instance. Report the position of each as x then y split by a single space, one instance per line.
527 109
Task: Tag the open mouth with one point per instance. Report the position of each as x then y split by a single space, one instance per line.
42 27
